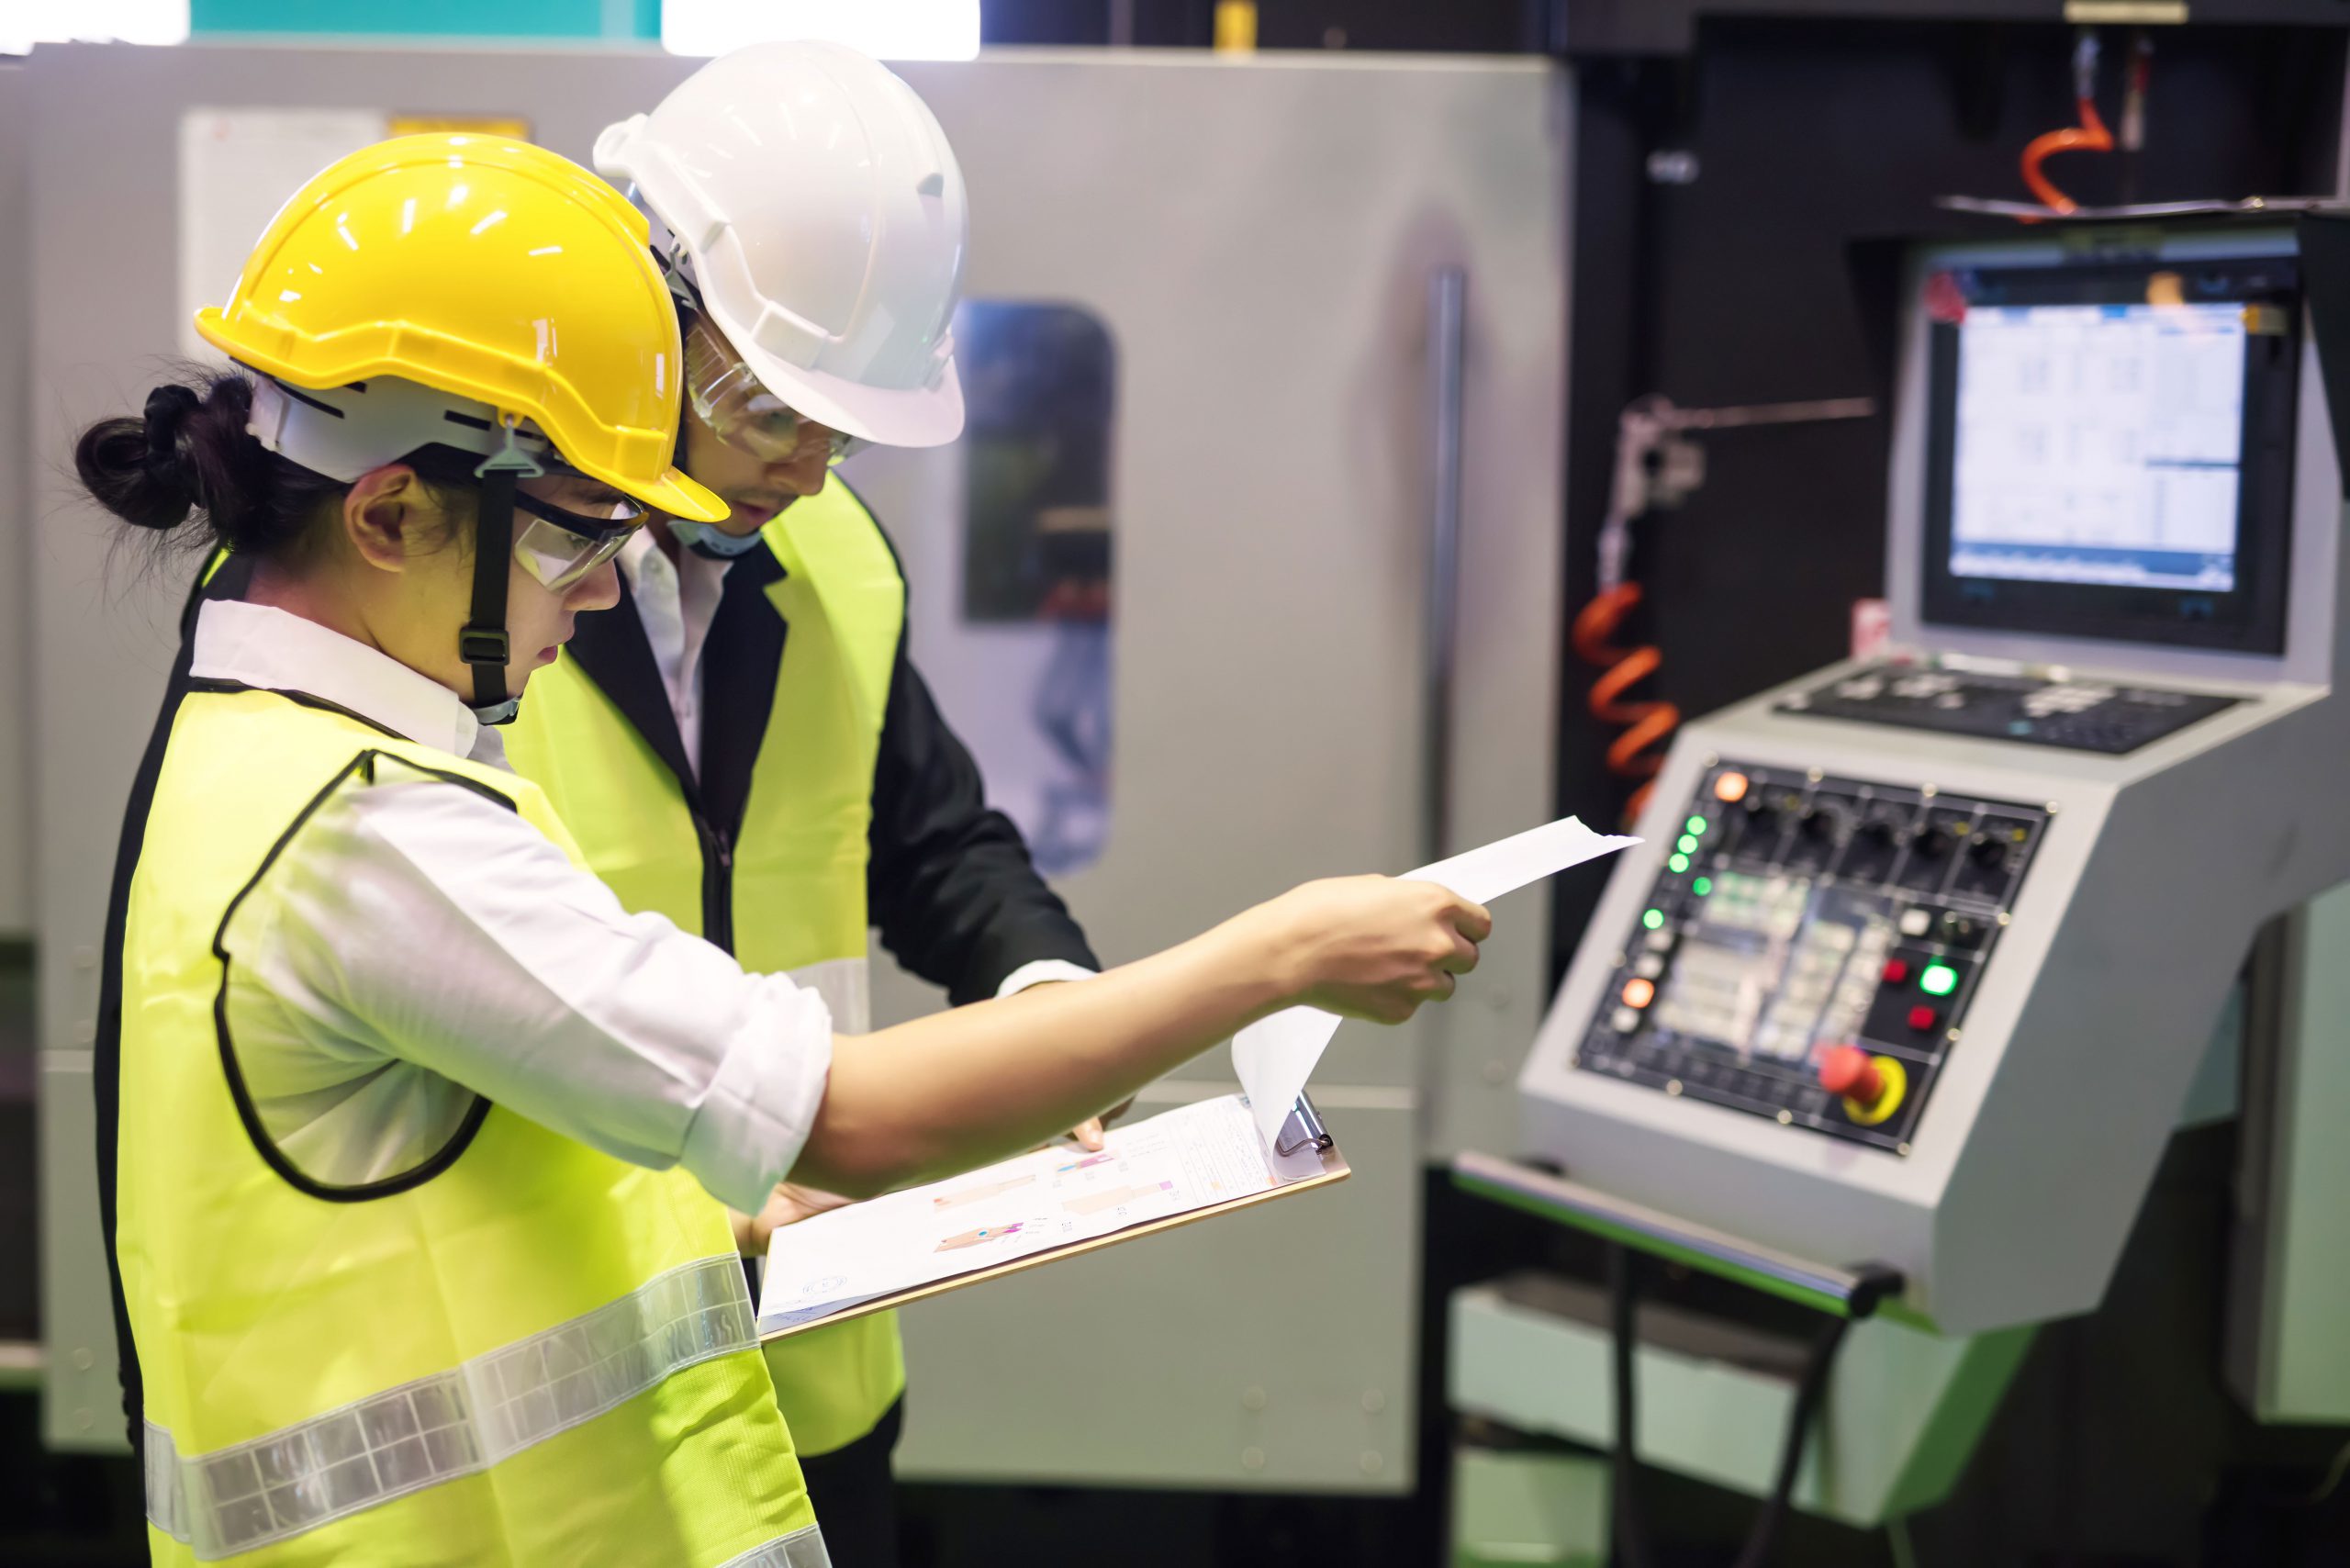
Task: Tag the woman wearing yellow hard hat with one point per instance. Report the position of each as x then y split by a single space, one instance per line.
409 1134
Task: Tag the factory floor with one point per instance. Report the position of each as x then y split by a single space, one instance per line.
78 1511
2115 1448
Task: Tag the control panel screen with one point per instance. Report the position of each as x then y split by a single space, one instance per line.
2099 444
1810 947
2109 448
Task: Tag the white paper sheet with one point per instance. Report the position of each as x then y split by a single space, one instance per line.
1274 1056
1189 1158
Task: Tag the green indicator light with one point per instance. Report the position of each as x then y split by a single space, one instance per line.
1679 863
1702 886
1653 920
1698 824
1938 980
1688 845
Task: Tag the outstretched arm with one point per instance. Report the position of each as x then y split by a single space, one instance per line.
962 1088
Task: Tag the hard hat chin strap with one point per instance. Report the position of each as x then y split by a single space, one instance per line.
483 644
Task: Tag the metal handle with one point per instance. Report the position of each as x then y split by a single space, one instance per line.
1304 1130
1448 317
1847 1292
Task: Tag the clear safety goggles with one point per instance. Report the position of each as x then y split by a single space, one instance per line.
560 547
555 547
737 408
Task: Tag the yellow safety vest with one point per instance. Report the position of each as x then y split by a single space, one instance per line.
787 892
520 1351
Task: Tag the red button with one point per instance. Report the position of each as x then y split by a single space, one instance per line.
1922 1017
1847 1070
1897 971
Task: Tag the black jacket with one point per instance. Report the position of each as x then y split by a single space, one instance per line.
949 884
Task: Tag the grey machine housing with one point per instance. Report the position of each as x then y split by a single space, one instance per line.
2011 1200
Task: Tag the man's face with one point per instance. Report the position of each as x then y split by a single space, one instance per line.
756 487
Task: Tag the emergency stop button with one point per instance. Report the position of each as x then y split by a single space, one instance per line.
1847 1070
1872 1087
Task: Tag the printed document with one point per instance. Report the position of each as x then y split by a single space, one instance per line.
1193 1157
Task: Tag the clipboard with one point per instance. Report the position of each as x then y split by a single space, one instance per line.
1302 1134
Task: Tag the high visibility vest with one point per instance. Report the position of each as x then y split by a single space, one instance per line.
786 891
519 1351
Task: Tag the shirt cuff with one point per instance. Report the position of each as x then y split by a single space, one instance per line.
1041 972
761 1104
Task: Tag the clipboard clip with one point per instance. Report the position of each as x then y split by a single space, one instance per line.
1304 1130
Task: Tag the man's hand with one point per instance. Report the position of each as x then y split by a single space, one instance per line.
1089 1133
787 1205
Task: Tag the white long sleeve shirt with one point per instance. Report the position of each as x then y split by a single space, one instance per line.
416 944
677 601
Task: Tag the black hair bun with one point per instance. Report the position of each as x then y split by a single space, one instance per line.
188 452
168 483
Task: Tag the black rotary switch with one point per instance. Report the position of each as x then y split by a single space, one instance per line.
1989 853
1822 823
1933 843
1876 848
1881 834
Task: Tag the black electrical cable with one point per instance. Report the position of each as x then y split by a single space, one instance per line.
1809 1394
1628 1546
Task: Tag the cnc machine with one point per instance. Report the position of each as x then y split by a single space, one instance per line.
1906 991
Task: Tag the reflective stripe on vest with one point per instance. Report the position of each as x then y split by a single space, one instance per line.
846 986
451 1424
799 859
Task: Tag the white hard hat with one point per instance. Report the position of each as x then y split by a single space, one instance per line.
812 201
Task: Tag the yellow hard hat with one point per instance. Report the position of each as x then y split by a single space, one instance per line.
488 269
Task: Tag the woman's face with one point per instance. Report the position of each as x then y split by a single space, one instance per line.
421 592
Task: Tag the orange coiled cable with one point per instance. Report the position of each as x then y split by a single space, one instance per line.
2089 136
1647 725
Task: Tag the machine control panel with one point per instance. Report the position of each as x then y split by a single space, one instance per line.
1810 946
2077 715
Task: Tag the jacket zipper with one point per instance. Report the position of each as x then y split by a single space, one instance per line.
717 885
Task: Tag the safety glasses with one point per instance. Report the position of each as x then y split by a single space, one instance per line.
555 547
560 547
737 408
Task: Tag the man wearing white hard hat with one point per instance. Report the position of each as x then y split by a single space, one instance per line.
742 745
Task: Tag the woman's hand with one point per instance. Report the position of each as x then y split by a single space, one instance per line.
1372 946
787 1205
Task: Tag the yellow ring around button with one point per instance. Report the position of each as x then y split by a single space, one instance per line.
1897 1088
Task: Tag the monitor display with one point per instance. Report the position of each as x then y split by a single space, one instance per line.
2108 448
2099 444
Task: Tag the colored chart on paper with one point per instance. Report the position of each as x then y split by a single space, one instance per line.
979 1193
978 1238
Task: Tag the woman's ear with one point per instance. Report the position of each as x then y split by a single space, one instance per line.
388 517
